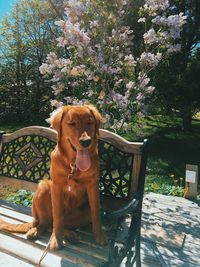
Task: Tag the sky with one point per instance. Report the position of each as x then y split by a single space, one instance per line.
5 7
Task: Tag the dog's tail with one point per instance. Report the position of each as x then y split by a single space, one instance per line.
15 228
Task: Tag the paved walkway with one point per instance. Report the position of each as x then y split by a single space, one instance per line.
171 231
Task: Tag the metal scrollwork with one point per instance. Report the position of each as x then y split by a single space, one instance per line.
26 158
115 172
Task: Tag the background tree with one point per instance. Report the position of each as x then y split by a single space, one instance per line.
102 66
27 35
177 80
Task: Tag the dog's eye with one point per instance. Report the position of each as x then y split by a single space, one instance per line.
72 123
91 121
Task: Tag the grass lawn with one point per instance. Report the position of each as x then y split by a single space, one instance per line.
169 152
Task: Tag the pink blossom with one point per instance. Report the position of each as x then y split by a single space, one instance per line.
150 37
174 48
101 58
143 80
46 68
74 8
58 88
51 57
149 89
140 97
57 104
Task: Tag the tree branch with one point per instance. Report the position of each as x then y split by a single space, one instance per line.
53 5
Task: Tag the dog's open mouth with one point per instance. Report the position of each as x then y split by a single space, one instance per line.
83 160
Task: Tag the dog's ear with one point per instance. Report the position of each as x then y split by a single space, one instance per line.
97 116
56 120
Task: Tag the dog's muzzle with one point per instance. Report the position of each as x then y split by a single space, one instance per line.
85 140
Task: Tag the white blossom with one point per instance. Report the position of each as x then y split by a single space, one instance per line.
130 60
150 58
156 5
142 19
130 85
93 24
118 82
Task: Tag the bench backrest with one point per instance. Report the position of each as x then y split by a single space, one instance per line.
25 156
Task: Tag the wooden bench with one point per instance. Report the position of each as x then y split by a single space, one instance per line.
25 160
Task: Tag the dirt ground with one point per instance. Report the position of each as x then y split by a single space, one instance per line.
6 190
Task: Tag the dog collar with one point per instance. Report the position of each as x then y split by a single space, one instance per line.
73 169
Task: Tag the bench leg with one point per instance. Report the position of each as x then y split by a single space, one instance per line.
137 250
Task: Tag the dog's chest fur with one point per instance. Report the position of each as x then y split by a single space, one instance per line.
75 194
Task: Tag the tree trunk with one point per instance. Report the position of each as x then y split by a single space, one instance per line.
186 115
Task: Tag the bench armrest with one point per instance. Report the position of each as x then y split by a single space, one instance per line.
109 216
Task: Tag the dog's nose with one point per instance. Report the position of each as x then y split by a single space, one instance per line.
85 139
85 142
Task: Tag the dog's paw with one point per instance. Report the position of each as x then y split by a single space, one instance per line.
70 236
101 238
32 233
55 243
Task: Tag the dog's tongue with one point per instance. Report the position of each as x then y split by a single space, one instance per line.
83 161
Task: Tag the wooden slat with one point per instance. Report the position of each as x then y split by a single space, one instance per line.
120 142
10 261
32 130
123 144
135 173
86 254
15 207
14 214
31 253
86 249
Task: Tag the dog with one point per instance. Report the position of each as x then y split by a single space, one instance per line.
71 198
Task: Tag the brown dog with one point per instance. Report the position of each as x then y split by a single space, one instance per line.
62 203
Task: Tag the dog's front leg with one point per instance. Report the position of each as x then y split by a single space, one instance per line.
94 202
57 197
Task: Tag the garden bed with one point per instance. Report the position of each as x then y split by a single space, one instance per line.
13 194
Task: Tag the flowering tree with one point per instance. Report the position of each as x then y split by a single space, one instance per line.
101 67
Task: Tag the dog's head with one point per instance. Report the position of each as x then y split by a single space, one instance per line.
78 124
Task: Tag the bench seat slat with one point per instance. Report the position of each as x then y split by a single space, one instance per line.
31 253
10 261
85 248
15 214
